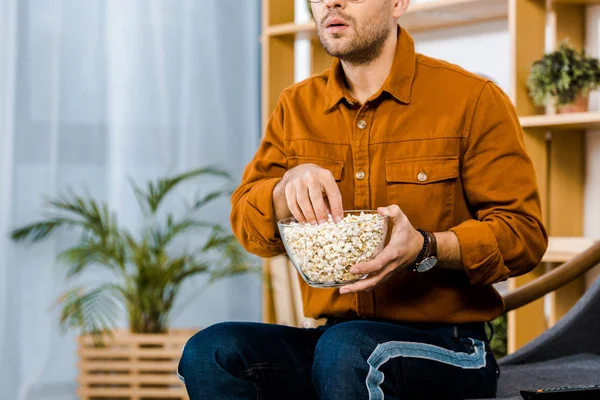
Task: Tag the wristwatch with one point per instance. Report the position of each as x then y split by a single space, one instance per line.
427 258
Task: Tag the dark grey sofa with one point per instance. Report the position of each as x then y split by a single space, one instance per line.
566 354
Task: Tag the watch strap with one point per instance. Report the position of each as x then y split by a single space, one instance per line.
432 245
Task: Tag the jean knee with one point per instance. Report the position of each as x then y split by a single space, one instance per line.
342 349
213 346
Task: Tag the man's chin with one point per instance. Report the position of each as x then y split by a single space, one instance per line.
336 48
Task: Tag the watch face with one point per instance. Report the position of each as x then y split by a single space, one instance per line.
427 264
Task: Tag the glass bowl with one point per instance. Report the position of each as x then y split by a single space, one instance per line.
323 254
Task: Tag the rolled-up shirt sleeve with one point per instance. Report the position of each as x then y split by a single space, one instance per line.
253 214
506 236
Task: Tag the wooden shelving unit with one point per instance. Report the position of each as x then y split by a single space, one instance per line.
554 142
299 31
449 13
581 120
562 249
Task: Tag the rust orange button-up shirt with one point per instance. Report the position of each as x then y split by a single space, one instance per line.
443 144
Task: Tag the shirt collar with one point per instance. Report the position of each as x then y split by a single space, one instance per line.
398 83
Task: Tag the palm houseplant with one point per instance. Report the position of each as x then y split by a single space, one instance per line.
563 78
149 269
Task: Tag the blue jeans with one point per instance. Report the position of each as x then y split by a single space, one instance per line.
343 360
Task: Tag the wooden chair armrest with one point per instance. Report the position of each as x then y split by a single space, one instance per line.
554 279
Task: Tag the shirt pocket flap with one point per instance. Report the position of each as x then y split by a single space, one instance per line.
421 171
334 166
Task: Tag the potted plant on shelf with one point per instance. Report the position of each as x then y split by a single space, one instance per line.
149 270
564 77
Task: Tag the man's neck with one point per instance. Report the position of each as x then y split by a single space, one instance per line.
366 80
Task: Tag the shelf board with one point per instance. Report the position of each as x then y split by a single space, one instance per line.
300 31
562 249
576 2
581 120
447 13
419 17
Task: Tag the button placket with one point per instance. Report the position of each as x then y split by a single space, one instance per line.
360 144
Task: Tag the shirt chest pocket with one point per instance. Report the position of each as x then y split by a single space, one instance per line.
424 189
334 166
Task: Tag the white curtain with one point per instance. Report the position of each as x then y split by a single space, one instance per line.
94 92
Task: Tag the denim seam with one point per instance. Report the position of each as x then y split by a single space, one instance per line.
388 350
247 372
181 378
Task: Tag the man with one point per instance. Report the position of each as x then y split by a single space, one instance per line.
429 145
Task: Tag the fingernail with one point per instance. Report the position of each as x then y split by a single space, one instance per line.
338 219
313 222
322 221
354 271
344 290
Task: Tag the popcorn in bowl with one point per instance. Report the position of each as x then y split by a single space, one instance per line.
323 254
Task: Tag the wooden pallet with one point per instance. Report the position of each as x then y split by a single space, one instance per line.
132 366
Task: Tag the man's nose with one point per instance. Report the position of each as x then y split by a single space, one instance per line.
335 3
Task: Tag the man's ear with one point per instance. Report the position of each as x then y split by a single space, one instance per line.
400 7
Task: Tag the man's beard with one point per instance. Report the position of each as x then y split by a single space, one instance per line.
365 48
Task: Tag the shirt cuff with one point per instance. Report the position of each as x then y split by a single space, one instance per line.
261 225
480 254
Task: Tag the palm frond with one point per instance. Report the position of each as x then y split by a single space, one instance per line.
70 211
174 267
217 239
95 218
140 195
194 269
37 231
162 238
158 190
233 260
94 311
89 252
211 197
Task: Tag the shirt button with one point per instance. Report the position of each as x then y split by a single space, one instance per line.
422 177
362 124
360 175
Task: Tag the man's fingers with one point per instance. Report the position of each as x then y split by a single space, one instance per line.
303 199
290 196
386 256
327 208
368 283
334 198
393 211
306 189
318 203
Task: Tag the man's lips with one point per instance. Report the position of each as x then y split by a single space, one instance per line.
335 25
334 22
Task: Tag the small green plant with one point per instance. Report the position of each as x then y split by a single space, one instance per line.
148 268
499 340
562 76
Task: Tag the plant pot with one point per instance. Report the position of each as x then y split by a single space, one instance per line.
580 105
132 366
